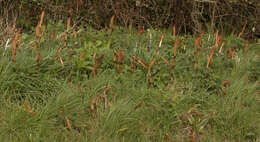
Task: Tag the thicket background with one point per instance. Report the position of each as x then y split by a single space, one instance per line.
189 16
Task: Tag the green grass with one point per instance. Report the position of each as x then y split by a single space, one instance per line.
187 102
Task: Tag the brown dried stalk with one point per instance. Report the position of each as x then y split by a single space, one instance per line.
174 31
231 54
140 62
221 47
217 39
61 61
184 47
166 61
131 25
29 109
14 45
97 65
67 32
243 30
149 72
226 85
39 59
42 16
68 24
68 123
38 31
211 55
43 29
105 95
196 46
141 30
111 29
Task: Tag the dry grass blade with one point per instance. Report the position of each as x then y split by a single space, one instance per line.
97 64
14 45
29 109
112 21
243 30
226 85
217 39
174 31
111 29
166 61
160 44
38 31
105 96
141 30
196 46
140 62
42 16
68 123
222 45
43 29
68 24
184 48
131 25
59 57
210 56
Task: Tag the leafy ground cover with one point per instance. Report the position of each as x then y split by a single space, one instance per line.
62 84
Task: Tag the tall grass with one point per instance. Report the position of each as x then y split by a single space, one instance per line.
118 87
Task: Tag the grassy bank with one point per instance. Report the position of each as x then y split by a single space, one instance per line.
121 85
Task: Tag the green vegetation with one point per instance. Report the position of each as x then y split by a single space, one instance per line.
68 85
